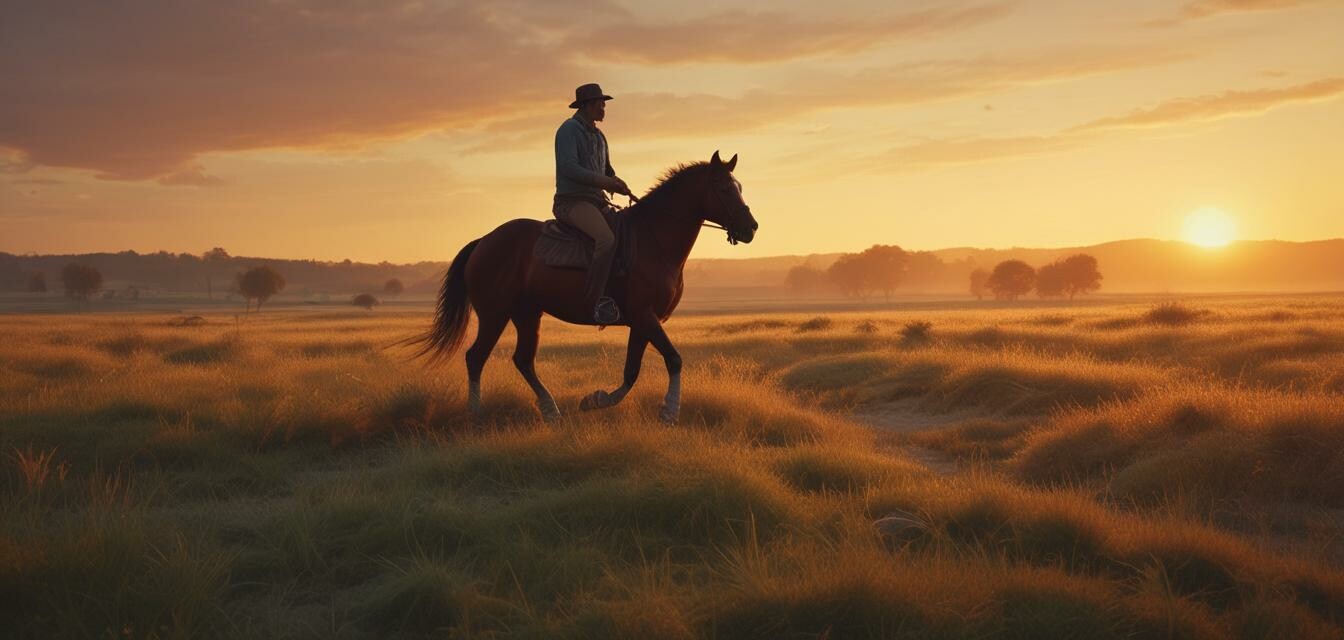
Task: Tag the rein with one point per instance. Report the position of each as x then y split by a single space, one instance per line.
704 223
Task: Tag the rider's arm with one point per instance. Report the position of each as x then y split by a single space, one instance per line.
567 141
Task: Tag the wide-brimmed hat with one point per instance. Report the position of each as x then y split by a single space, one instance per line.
587 92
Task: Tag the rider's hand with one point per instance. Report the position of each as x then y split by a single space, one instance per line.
617 186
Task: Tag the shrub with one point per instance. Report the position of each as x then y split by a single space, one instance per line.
393 287
819 323
365 300
1173 314
917 331
867 326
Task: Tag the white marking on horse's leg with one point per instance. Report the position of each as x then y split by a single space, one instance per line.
672 401
545 403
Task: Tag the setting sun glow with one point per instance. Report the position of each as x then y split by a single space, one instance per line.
1210 227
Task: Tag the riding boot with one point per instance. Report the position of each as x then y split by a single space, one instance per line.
598 271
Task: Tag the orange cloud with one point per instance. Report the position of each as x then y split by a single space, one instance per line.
654 115
747 37
1205 8
1230 103
934 153
134 91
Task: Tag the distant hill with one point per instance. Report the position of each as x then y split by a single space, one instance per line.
1129 266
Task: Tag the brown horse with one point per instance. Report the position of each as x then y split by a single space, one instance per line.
503 283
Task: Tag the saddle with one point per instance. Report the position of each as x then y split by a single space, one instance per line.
563 246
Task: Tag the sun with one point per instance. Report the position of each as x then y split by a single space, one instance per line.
1210 227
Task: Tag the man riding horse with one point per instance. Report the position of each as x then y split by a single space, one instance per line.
501 279
582 174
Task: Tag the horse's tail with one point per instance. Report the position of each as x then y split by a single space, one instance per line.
450 317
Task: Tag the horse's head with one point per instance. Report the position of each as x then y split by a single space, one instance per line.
724 204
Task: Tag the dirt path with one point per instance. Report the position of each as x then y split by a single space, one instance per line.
905 417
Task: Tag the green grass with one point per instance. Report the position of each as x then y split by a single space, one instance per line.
289 477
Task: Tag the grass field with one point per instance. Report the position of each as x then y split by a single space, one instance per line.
1123 470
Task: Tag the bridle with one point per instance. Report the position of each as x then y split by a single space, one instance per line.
704 223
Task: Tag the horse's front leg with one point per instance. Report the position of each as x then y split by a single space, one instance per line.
634 355
649 326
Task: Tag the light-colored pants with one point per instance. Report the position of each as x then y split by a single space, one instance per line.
585 216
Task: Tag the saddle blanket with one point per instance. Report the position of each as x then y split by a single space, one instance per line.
565 247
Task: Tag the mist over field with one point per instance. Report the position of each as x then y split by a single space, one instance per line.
1129 267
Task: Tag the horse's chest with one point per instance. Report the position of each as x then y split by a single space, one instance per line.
660 294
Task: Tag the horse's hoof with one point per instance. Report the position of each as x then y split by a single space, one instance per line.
667 416
549 412
596 400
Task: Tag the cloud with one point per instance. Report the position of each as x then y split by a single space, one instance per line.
964 151
1226 104
752 37
136 91
1199 9
192 176
933 153
668 114
46 182
1205 8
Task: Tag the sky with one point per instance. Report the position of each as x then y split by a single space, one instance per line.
399 131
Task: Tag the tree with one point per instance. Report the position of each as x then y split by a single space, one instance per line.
37 282
1080 274
213 259
216 254
849 275
1050 280
805 278
1010 279
365 300
924 270
885 266
260 283
979 278
393 287
80 280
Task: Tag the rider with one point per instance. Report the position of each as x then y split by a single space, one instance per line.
582 173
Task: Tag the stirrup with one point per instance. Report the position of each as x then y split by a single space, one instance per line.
606 311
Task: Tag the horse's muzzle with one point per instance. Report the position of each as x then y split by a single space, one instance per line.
745 231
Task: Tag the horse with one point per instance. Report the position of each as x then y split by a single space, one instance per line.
498 277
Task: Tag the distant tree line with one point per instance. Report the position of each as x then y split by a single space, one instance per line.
1012 279
212 272
885 269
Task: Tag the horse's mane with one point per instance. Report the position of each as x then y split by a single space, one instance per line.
668 183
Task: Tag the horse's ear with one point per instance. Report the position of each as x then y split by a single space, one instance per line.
715 160
732 163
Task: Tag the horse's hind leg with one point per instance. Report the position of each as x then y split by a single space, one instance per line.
528 325
634 355
488 329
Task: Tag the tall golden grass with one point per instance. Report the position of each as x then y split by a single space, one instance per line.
291 477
